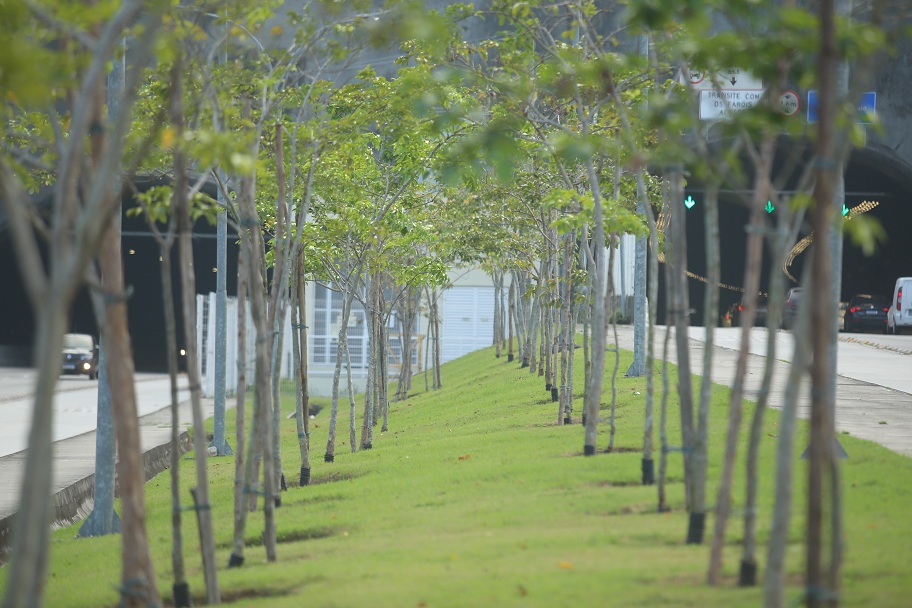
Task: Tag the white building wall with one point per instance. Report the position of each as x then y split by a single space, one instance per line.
467 324
466 320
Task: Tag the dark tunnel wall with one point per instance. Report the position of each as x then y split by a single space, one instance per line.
142 273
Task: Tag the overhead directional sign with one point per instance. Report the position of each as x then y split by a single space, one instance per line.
723 92
719 105
867 107
737 78
729 78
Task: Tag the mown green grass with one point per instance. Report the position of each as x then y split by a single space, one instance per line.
476 497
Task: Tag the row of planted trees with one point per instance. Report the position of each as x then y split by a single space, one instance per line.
529 153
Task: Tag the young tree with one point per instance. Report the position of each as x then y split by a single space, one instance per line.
79 157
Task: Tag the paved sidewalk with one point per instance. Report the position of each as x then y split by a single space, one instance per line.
873 390
74 466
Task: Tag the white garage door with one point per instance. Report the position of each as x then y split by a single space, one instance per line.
467 320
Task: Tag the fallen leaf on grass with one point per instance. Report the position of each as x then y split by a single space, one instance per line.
566 565
466 457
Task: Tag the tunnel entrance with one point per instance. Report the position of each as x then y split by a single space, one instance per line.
876 185
145 306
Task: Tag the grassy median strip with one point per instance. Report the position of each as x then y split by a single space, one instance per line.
476 497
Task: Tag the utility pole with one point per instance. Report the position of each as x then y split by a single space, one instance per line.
219 440
638 367
103 519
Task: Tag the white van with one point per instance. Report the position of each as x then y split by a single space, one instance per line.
899 317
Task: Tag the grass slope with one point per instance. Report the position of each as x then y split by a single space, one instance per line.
476 497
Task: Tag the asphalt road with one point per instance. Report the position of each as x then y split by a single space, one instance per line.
874 359
75 404
873 384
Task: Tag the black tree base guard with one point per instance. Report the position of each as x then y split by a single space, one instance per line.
305 476
588 450
648 466
695 527
235 561
747 576
181 593
329 457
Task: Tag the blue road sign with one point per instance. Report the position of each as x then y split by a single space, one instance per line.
867 106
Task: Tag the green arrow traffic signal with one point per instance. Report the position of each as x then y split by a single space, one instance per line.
689 202
769 206
845 210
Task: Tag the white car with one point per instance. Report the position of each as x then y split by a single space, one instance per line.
80 355
899 316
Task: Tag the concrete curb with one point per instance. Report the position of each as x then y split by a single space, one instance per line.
75 502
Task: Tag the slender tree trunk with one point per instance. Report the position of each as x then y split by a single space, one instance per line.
565 343
701 443
774 582
407 312
278 339
529 359
521 314
667 271
752 263
302 401
748 569
28 570
497 279
511 312
180 587
571 363
821 453
587 317
337 377
188 298
383 390
373 363
663 426
680 309
278 309
438 379
599 327
610 300
652 269
241 459
350 389
261 429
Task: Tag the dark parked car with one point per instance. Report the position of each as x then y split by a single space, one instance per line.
732 316
866 312
80 355
790 310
